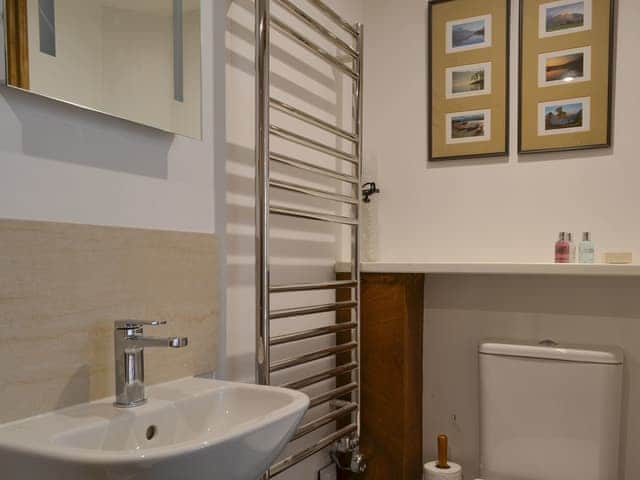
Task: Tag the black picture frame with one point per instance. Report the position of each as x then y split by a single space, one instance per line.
610 89
507 149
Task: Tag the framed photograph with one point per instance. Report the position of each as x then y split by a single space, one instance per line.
566 75
468 34
564 17
564 67
469 127
468 79
562 117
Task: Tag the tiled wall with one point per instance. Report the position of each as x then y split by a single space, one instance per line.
63 285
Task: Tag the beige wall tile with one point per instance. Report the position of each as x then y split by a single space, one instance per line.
63 285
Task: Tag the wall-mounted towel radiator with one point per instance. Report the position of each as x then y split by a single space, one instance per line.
344 398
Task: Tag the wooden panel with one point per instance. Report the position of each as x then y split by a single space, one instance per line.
63 285
391 375
17 43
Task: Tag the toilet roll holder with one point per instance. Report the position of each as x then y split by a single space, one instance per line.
443 451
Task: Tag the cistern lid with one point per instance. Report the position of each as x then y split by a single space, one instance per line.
549 350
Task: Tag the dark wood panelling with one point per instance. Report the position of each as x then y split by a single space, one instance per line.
391 376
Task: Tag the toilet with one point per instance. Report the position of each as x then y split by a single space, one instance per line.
549 411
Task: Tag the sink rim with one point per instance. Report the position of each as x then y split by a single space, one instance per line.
299 402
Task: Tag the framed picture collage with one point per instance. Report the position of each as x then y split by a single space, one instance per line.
565 76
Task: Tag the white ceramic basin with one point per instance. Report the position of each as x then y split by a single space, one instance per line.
190 429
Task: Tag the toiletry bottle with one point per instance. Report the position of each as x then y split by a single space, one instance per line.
562 249
572 248
587 251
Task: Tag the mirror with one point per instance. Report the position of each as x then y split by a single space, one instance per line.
133 59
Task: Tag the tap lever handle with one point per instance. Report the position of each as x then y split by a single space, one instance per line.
136 324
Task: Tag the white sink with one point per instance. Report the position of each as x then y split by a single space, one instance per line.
190 429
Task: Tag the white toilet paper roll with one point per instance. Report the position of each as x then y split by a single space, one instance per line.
431 472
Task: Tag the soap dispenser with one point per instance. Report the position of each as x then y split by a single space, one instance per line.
587 251
563 249
572 248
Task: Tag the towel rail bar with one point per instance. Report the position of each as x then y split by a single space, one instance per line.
333 394
312 144
321 377
314 425
312 192
311 119
312 47
312 333
300 311
333 15
309 167
302 287
289 462
317 26
312 357
309 215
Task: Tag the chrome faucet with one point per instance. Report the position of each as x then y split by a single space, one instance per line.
129 344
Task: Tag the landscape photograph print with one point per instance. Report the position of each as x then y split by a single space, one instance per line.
468 80
467 127
566 75
564 116
468 90
468 34
565 17
564 67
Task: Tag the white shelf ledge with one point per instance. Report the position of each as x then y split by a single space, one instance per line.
493 268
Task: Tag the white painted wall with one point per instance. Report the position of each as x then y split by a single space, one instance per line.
501 209
302 251
60 163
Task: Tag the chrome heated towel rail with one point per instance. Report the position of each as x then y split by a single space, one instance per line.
349 62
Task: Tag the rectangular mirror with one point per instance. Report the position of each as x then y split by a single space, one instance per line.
133 59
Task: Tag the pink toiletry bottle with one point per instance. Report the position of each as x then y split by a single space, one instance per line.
563 249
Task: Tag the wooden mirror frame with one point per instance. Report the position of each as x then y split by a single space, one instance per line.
17 34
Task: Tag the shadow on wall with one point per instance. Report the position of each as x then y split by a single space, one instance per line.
301 251
280 82
569 155
45 128
314 245
78 388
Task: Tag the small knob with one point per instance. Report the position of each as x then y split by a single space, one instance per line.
548 343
